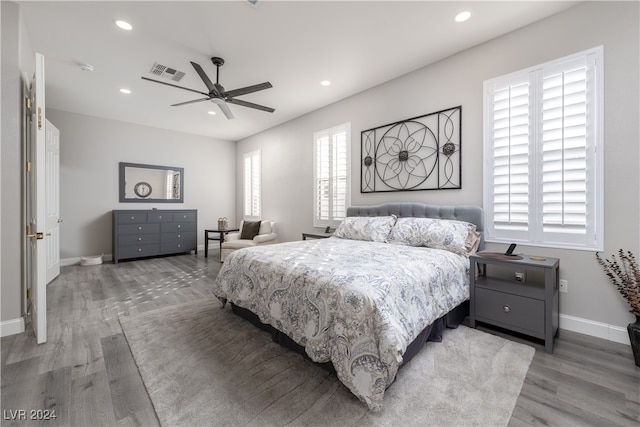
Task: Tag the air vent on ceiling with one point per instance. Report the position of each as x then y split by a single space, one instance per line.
166 72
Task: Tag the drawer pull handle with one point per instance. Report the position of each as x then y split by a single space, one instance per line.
133 217
179 245
139 239
139 249
179 236
179 225
139 228
506 308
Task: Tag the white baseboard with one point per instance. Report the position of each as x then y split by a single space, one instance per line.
76 260
12 327
595 329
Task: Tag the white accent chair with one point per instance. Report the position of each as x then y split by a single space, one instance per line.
266 236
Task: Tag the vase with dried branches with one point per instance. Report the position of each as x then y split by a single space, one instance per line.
624 273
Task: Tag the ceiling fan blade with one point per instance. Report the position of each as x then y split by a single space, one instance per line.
224 107
204 77
250 105
172 85
249 89
190 102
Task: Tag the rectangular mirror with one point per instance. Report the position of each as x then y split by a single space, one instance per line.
151 183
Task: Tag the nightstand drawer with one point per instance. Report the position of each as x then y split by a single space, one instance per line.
510 311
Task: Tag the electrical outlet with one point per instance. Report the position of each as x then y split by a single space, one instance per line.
564 286
520 276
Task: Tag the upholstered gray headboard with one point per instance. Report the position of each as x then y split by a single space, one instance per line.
472 214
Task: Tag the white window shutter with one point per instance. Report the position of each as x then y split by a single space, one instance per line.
331 175
543 164
252 185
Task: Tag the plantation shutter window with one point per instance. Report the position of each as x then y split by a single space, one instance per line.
331 175
543 161
252 184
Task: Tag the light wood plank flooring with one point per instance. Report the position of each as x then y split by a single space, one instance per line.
86 373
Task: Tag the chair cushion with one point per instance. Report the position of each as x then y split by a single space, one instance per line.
238 244
265 227
250 230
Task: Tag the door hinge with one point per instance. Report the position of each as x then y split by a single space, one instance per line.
28 166
39 118
28 293
28 103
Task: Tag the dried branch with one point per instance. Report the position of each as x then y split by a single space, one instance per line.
624 273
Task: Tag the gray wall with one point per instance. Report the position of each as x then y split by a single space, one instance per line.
592 305
10 200
91 149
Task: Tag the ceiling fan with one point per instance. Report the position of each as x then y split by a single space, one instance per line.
217 94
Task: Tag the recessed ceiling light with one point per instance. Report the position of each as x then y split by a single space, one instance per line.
127 91
463 16
325 83
213 113
124 25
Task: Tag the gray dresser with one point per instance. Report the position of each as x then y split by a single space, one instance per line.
145 233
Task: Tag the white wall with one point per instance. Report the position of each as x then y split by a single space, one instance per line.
287 149
91 149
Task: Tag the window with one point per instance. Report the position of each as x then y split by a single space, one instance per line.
252 177
331 175
543 154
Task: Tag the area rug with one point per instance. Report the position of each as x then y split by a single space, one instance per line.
204 366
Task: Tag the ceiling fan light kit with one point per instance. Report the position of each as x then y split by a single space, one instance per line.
217 93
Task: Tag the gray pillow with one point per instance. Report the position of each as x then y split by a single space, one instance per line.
250 229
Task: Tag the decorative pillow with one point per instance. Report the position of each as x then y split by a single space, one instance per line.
250 229
373 228
455 236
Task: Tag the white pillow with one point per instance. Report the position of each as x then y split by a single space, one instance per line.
454 236
368 228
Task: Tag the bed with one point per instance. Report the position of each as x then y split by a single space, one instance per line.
365 300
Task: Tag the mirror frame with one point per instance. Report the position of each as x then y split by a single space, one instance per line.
123 181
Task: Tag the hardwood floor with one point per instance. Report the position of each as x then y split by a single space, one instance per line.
86 373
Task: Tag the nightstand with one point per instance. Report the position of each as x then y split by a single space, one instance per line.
531 308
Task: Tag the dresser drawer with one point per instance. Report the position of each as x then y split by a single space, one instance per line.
515 312
136 251
132 217
188 237
139 239
178 227
174 247
161 216
185 216
138 229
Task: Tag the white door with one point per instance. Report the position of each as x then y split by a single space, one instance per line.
35 211
52 190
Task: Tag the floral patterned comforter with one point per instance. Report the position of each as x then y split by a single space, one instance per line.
357 304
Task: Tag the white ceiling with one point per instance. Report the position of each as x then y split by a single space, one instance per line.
292 44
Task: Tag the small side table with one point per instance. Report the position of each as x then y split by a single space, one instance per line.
220 236
316 235
530 308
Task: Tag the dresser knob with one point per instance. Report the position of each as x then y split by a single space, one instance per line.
179 236
179 245
179 225
139 249
140 228
506 308
139 239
